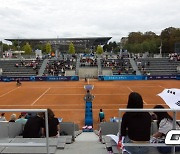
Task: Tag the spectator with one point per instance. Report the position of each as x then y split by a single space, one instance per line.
34 127
2 117
53 124
101 115
12 118
22 119
135 126
88 97
165 124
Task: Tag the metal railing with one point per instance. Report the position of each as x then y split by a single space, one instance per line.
150 110
30 144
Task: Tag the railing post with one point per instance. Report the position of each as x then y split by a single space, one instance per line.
119 127
174 127
47 131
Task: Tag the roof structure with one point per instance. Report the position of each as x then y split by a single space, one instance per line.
91 40
63 43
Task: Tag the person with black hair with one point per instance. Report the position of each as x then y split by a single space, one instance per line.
136 126
53 124
34 126
165 124
101 115
18 82
2 117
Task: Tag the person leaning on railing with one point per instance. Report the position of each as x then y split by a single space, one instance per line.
135 126
165 124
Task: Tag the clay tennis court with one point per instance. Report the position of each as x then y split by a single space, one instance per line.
66 98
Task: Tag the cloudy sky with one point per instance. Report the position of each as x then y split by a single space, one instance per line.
85 18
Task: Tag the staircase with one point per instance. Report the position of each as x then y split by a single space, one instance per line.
43 67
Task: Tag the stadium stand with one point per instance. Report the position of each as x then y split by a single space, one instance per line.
157 66
20 67
118 66
59 67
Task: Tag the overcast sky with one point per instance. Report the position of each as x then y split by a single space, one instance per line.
85 18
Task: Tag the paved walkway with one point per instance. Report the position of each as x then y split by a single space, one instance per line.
86 143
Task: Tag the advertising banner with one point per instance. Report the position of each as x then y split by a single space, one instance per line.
121 77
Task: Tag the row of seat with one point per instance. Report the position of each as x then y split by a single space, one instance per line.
10 134
106 128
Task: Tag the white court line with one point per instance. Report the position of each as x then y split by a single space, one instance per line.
145 102
162 87
130 89
9 92
84 94
40 96
50 87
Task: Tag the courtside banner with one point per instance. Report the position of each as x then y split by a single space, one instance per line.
63 78
178 77
121 77
161 77
40 78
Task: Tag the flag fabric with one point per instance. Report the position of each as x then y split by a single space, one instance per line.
171 97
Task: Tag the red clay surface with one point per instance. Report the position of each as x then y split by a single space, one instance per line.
66 98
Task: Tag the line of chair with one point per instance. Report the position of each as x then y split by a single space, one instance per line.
10 133
107 128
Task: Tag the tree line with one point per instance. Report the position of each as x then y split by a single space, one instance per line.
136 42
151 42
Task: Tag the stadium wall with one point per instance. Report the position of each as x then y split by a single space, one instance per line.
100 78
36 78
138 77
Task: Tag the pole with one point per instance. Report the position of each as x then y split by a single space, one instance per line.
47 131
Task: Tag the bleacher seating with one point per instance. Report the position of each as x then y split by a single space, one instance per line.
117 65
17 68
158 66
59 67
10 129
67 129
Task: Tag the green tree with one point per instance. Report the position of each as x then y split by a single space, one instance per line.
27 48
99 50
48 48
5 47
71 48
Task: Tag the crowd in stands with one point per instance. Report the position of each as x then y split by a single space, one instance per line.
31 64
88 60
34 124
58 67
174 57
119 65
142 65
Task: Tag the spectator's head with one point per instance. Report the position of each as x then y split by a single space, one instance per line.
40 114
2 114
50 113
101 110
135 100
23 114
13 117
88 91
161 115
